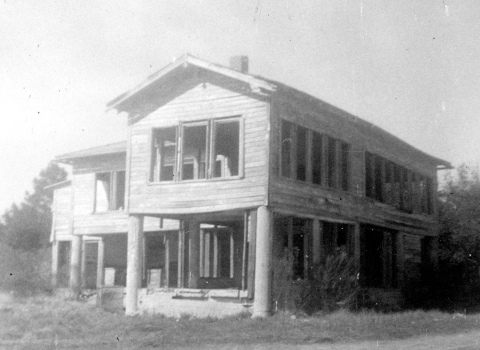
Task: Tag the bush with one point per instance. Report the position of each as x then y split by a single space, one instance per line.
26 273
331 285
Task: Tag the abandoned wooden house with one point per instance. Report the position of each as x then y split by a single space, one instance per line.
221 172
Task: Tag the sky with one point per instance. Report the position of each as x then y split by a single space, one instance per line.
410 67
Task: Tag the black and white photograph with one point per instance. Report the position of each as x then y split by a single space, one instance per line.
240 174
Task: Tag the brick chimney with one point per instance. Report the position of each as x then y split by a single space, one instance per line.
239 63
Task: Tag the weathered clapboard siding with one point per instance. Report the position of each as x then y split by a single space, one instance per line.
204 101
309 199
62 211
86 220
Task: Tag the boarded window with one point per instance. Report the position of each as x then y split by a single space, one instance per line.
227 148
164 154
194 158
378 187
369 175
109 191
217 253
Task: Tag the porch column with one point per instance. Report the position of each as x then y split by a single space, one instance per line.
55 248
317 242
83 265
262 304
100 263
134 264
194 256
75 266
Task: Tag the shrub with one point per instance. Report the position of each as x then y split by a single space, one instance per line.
331 285
26 273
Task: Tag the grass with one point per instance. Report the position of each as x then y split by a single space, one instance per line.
50 322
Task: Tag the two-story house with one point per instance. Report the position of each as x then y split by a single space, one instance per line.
222 172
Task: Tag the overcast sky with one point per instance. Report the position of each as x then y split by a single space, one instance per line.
411 67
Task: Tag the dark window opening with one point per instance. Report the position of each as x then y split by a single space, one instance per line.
369 175
194 152
379 257
164 154
332 162
287 148
337 239
218 253
317 157
345 166
378 187
227 147
301 153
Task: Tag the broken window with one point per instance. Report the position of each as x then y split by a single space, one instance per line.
227 148
209 149
109 191
164 154
194 151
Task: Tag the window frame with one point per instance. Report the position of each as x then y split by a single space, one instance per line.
113 200
178 170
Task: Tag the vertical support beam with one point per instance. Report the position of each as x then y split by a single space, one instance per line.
100 263
317 241
206 273
55 248
252 248
83 265
400 259
232 253
356 246
202 253
244 250
167 261
263 264
181 256
134 264
75 262
194 256
215 252
306 248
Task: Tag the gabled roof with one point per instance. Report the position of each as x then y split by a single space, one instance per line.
256 83
112 148
260 86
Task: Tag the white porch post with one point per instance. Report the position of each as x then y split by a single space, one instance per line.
134 264
262 304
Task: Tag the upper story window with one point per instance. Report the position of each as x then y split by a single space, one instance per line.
196 151
109 191
393 184
312 157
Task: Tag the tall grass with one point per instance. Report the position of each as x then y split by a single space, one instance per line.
65 324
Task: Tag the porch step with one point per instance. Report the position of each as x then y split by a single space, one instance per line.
196 294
